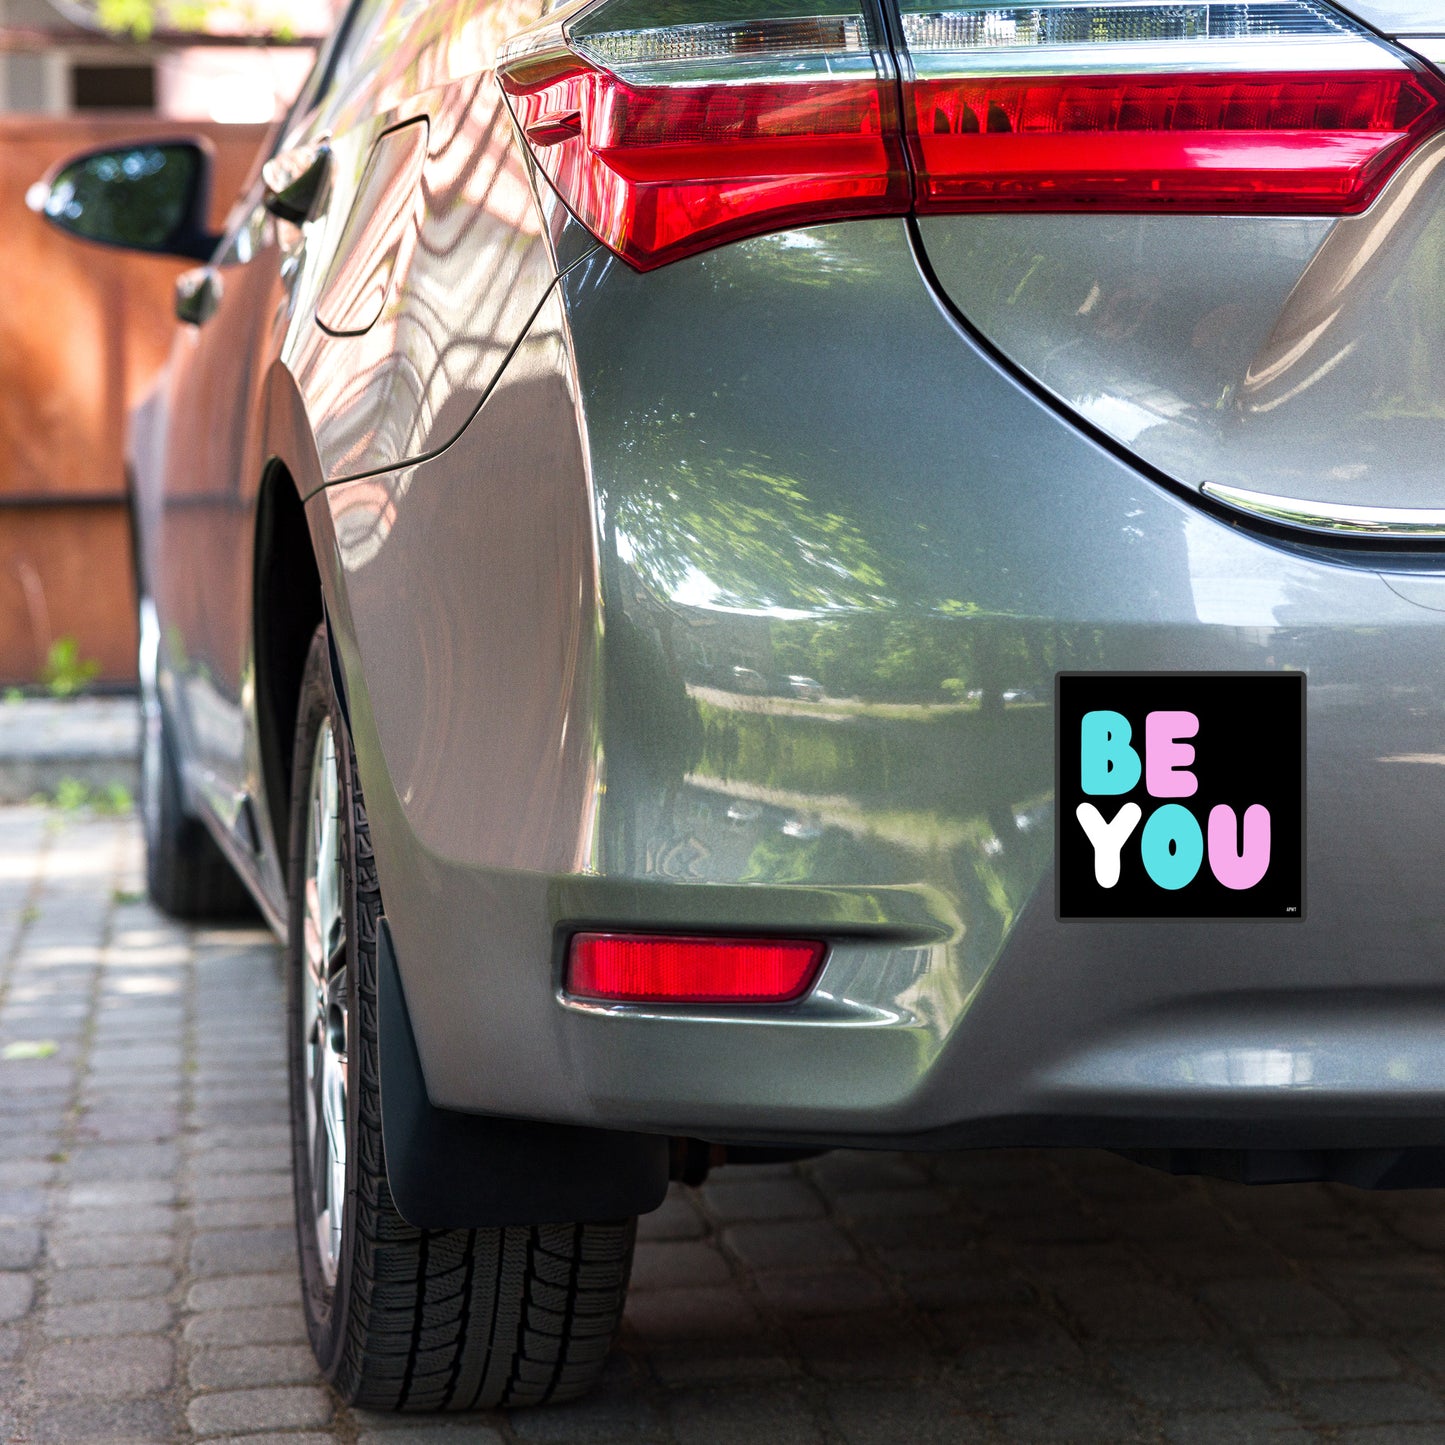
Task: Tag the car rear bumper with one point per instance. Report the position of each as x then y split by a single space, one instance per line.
1144 1035
550 633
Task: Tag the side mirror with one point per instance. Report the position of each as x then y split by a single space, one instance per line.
147 196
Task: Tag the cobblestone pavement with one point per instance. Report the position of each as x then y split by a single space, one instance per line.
147 1273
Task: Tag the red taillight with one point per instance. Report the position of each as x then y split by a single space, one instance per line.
647 968
1274 143
658 172
668 138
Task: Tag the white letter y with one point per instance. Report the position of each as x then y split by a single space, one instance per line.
1108 838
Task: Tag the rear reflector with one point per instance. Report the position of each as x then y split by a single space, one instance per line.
647 968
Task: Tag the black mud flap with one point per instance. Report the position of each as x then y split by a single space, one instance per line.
450 1170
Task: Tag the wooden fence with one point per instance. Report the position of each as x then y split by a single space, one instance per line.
83 331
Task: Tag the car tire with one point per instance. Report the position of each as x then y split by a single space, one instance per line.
402 1318
187 875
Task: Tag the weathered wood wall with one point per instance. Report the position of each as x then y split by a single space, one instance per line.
83 331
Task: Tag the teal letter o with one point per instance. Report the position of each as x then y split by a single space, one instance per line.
1173 846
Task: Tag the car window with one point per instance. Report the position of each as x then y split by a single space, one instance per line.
384 36
338 61
335 63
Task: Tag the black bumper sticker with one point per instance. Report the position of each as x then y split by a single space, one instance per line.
1181 795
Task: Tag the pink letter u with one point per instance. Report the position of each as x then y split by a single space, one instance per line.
1233 866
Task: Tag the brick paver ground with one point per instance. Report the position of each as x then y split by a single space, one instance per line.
147 1273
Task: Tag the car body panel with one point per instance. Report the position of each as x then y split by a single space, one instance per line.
510 677
474 267
303 399
568 771
202 506
1399 17
1301 358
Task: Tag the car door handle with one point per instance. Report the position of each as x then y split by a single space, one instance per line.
293 180
198 293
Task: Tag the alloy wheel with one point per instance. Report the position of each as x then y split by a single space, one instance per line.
323 946
151 759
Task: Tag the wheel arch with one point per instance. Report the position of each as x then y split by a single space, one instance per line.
288 605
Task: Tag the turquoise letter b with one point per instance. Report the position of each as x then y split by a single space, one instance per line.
1107 764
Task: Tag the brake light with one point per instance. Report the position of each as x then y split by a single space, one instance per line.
1281 107
668 139
648 968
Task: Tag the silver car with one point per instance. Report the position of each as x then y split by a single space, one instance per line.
1052 395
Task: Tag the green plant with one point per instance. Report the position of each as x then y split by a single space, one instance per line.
113 798
28 1049
66 672
73 794
140 18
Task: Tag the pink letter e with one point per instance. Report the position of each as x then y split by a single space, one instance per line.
1166 758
